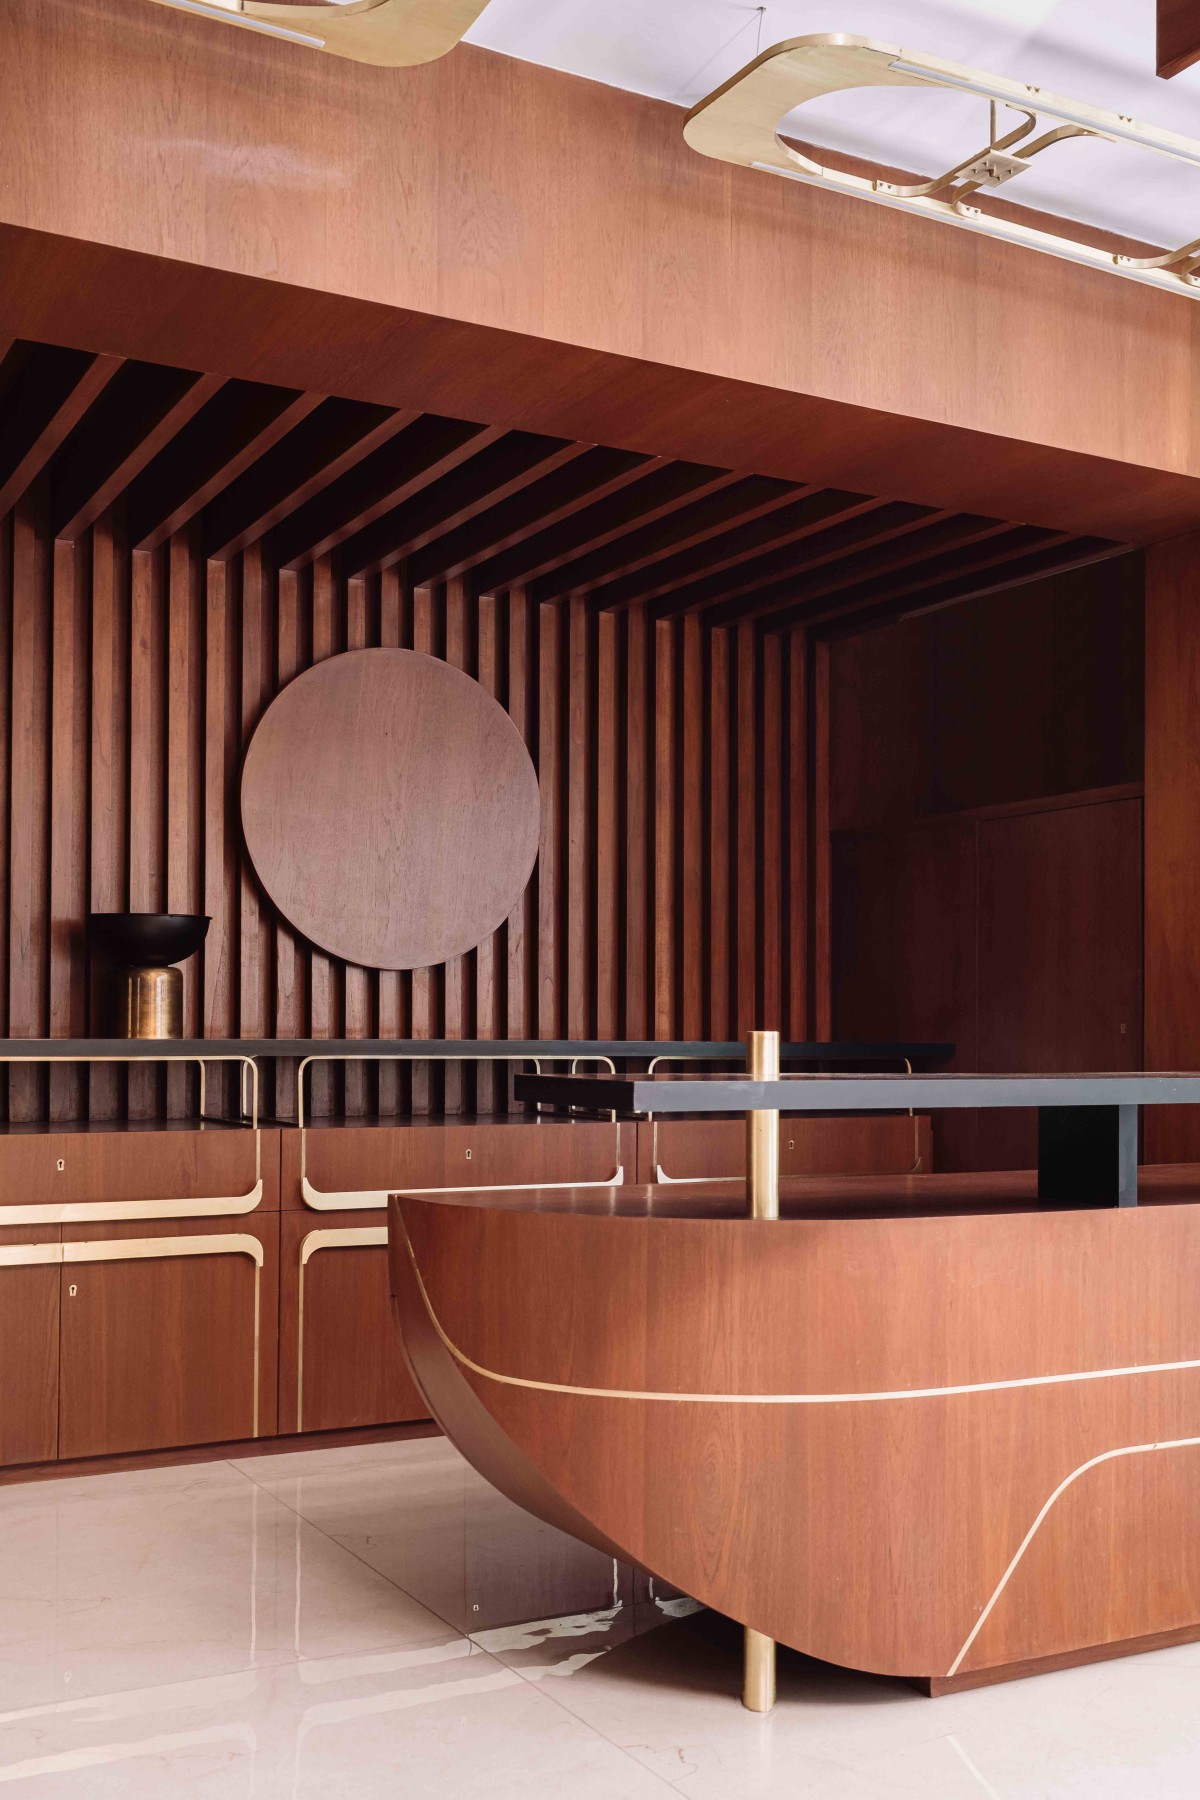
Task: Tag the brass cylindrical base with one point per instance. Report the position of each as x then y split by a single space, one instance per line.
758 1672
762 1170
149 1003
762 1129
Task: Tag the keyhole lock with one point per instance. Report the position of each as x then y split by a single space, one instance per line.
468 1156
72 1290
791 1143
61 1164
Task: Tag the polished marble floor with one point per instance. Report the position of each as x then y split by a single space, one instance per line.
315 1624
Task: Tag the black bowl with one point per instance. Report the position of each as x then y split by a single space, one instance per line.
154 940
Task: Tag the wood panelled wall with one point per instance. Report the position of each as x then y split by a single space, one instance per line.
671 880
986 851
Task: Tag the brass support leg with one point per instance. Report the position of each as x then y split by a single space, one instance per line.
758 1672
762 1164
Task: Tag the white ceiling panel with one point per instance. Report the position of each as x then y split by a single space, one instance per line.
1099 51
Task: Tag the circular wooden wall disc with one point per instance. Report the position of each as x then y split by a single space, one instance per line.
390 808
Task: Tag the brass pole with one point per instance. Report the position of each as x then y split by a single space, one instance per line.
762 1164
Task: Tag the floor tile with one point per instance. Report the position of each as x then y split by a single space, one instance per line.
117 1581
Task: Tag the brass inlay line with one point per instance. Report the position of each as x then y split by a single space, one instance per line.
1092 1463
844 1399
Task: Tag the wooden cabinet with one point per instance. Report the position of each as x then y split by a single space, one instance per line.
340 1361
139 1281
29 1304
167 1339
715 1149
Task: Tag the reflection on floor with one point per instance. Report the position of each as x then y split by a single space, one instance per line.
302 1625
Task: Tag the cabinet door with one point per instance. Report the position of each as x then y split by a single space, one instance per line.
29 1288
341 1361
167 1340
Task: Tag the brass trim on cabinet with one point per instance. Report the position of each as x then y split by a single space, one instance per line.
148 1250
83 1212
376 1199
334 1238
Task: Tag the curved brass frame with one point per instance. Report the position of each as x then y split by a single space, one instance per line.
392 34
81 1212
376 1199
739 123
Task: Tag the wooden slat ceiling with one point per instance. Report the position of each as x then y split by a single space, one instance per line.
304 474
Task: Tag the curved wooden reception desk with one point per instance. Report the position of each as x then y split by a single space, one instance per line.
918 1426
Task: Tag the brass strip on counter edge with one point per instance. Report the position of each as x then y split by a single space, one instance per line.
846 1399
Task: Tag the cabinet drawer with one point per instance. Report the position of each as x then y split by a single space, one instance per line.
332 1168
71 1177
715 1149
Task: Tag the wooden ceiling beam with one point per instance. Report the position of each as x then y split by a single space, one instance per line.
428 450
1178 44
503 472
826 539
1015 545
1069 552
897 550
499 531
669 566
332 441
708 506
102 461
51 394
239 425
602 519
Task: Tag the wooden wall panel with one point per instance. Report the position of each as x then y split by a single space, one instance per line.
1172 872
668 754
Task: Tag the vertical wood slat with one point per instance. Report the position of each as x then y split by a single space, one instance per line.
672 886
663 1015
637 781
796 812
68 818
147 750
422 979
580 927
356 988
720 1024
29 837
550 779
108 767
746 837
289 971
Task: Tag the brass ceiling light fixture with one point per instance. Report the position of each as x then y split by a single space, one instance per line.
395 34
739 123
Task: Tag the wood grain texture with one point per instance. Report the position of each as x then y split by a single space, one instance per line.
1025 407
708 1149
199 1312
1172 873
390 810
29 1315
1178 36
1021 1519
